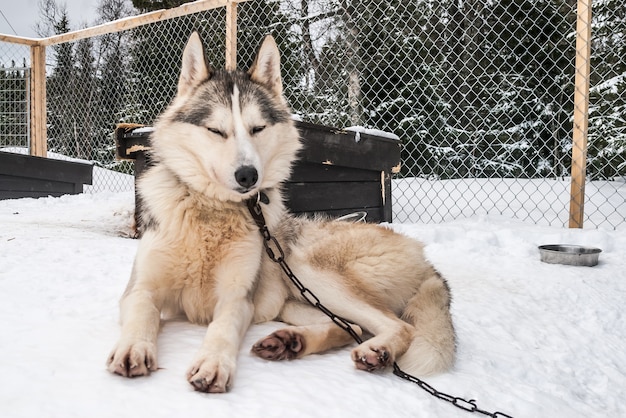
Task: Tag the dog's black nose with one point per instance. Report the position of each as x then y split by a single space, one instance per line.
246 176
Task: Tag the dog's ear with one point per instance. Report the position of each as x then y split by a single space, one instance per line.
195 68
266 67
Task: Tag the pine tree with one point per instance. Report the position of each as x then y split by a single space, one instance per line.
505 66
257 18
113 74
401 91
151 5
83 119
60 84
523 104
380 55
154 62
607 115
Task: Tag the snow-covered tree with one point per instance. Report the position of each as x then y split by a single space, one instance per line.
607 110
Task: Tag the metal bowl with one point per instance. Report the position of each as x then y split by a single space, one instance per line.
573 255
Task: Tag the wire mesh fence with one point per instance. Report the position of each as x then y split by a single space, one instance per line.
14 107
480 94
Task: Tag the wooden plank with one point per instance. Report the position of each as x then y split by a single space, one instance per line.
30 186
304 171
581 113
38 132
231 36
136 21
127 144
20 40
304 197
121 24
386 195
339 147
45 168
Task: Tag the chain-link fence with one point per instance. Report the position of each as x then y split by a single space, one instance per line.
14 107
480 94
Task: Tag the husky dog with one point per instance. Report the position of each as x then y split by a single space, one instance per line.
227 136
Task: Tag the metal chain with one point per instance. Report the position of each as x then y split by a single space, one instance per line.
277 255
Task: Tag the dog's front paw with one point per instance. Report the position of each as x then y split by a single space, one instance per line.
211 375
281 345
371 358
131 360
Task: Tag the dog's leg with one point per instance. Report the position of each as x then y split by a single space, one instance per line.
423 341
214 366
392 337
313 332
135 353
213 369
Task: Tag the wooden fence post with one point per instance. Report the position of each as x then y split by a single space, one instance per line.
38 140
581 114
231 36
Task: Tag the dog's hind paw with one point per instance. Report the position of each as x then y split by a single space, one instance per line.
281 345
371 358
132 360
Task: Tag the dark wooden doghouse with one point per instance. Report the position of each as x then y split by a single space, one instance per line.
338 172
28 176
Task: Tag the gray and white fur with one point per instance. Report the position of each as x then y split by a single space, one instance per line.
226 136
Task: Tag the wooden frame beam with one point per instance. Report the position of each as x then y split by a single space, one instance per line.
122 24
38 134
136 21
581 114
231 36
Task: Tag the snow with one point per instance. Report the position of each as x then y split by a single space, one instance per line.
534 339
144 129
611 85
370 131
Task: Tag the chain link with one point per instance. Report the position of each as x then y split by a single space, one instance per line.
461 403
273 247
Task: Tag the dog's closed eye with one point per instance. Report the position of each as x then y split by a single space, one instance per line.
217 132
257 129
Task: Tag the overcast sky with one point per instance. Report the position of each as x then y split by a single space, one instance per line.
23 15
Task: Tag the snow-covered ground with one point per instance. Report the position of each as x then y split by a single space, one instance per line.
534 339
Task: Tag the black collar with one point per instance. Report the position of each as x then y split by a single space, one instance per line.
254 206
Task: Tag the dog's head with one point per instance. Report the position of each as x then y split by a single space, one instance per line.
228 134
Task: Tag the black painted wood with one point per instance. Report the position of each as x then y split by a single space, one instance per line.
320 197
326 145
29 176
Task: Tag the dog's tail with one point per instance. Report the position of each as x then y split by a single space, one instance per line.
433 347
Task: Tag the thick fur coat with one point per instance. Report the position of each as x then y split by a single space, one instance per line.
226 137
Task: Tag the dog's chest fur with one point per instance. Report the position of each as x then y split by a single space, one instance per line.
207 246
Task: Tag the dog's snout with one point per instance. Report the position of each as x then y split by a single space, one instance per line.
246 176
